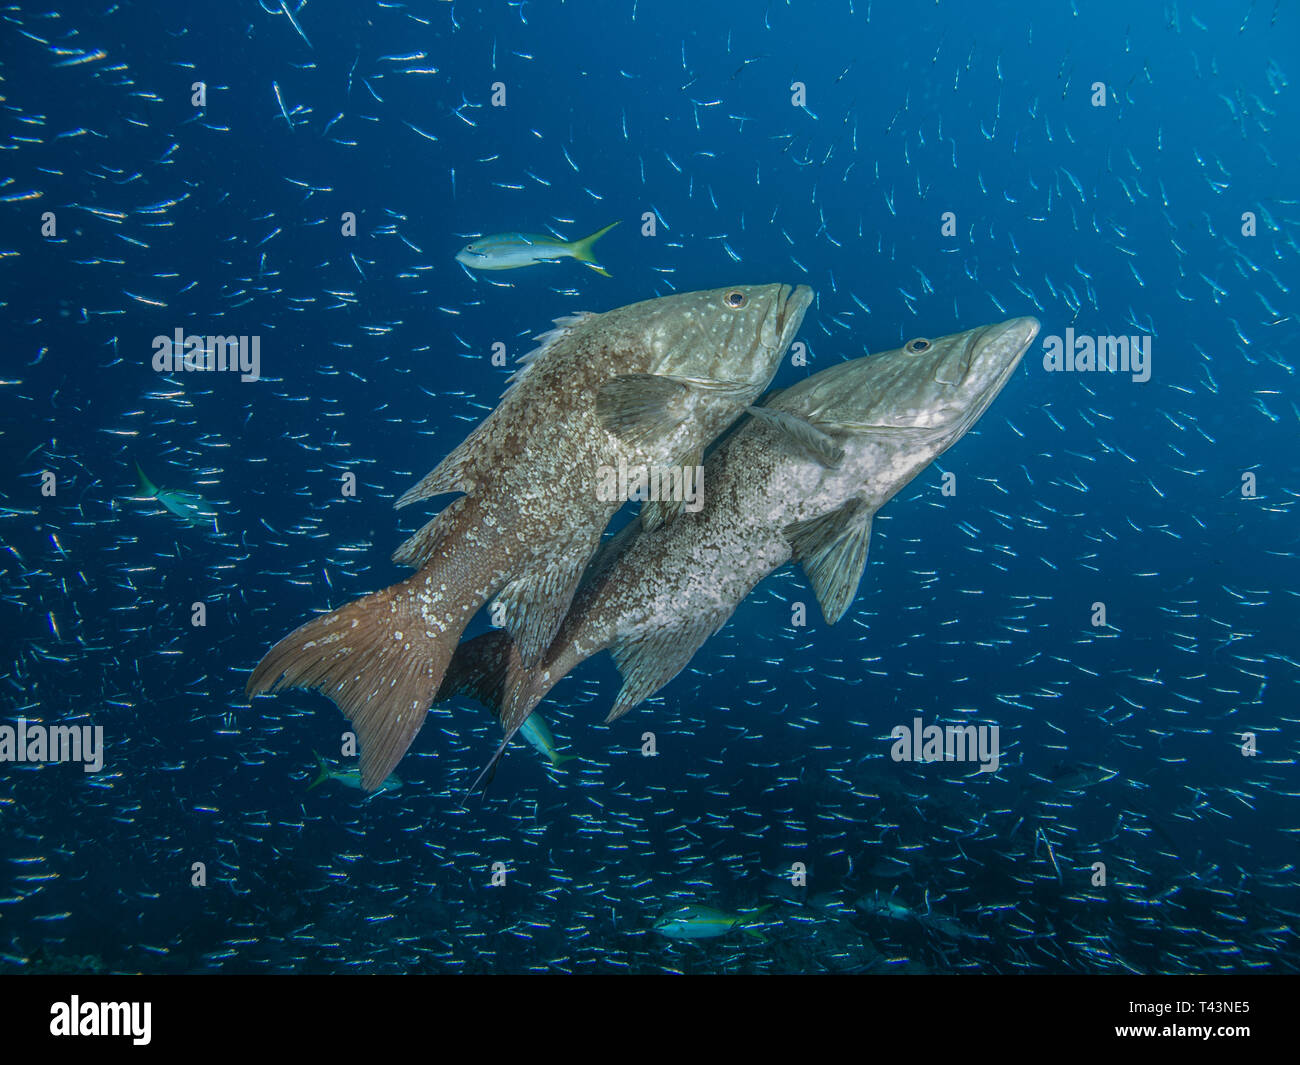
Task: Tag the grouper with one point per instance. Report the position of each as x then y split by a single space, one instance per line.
800 479
648 385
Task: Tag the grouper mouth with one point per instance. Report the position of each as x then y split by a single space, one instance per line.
791 303
1018 334
1008 341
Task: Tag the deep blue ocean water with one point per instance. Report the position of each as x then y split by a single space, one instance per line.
1121 744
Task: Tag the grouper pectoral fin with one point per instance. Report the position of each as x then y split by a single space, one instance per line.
638 408
641 408
649 662
833 552
802 432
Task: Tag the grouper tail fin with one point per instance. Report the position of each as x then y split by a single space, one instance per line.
380 659
582 249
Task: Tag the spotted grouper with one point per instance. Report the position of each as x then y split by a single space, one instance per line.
647 385
799 480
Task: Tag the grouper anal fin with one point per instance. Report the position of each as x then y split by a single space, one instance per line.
535 605
650 661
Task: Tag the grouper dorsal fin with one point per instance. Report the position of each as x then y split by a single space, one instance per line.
640 408
546 341
459 471
833 552
802 432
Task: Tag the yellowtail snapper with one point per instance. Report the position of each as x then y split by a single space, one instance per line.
190 507
349 778
704 922
539 735
509 251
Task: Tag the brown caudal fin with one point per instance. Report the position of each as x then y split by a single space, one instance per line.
378 658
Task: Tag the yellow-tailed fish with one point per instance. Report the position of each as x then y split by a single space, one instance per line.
510 251
704 922
349 778
538 734
190 507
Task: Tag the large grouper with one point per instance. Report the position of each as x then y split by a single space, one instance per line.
648 385
799 480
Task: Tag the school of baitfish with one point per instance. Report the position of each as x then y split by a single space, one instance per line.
1105 567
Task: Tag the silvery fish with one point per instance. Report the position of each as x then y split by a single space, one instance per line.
880 905
801 479
648 385
509 251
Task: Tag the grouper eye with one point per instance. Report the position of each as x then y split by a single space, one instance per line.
734 299
917 346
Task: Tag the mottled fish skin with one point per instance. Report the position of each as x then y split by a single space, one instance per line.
799 480
647 384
